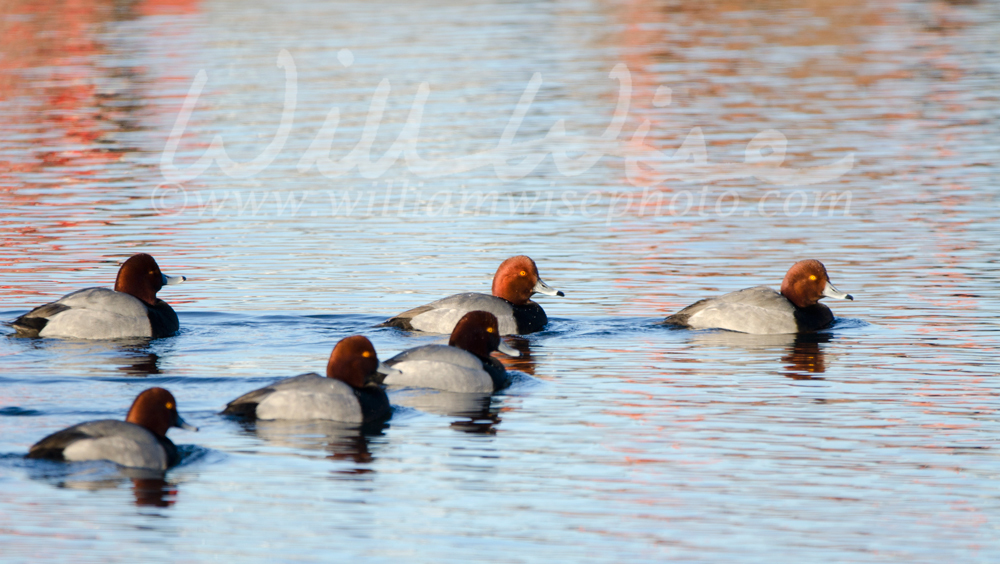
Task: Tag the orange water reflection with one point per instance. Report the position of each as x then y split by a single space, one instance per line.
70 114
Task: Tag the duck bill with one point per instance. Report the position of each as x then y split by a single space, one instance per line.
171 280
181 423
381 371
831 291
542 288
508 350
386 370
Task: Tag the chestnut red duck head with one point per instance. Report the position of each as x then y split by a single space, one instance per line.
807 282
516 280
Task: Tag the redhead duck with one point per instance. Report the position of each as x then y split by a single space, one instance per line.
138 442
347 393
463 365
513 285
761 310
130 310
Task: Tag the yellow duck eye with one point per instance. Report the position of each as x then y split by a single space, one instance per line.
523 273
812 277
489 330
366 354
170 405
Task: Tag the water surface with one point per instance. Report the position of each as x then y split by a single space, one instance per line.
871 441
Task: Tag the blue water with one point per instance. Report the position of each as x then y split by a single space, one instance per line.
872 441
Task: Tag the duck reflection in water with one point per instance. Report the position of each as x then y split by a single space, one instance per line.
130 356
524 363
476 413
340 441
149 487
140 363
803 358
154 492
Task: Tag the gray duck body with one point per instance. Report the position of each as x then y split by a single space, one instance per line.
120 442
442 315
759 310
99 313
447 368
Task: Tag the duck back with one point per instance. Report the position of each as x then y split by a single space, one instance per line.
759 310
92 313
442 315
118 441
440 367
308 396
